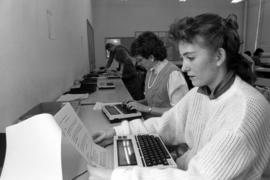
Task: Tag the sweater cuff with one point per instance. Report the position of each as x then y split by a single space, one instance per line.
120 174
122 129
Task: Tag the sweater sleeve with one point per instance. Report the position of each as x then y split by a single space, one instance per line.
129 72
240 152
170 126
110 60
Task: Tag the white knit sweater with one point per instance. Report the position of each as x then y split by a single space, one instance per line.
228 137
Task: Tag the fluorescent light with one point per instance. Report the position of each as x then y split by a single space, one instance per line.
182 0
236 1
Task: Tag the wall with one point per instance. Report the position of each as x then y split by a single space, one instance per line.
258 27
114 18
252 23
264 38
36 66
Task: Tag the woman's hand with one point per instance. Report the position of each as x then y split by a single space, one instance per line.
96 173
104 138
127 101
138 106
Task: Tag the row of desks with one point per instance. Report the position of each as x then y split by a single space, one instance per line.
263 78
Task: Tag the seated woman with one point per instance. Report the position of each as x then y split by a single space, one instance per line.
129 74
257 56
111 49
223 120
165 84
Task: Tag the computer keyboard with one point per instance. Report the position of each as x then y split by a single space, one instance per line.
152 150
112 110
117 112
123 108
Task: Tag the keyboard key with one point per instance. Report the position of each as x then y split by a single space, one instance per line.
112 110
153 151
123 108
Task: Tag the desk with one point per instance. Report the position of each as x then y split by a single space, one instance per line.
262 82
263 72
262 69
119 94
72 162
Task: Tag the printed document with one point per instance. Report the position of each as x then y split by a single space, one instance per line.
73 128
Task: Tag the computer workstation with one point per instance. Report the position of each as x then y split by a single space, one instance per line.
263 76
116 112
97 120
95 80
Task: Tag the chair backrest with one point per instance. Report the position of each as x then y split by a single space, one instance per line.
2 150
189 83
266 174
141 77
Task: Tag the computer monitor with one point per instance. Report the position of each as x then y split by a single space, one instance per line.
91 46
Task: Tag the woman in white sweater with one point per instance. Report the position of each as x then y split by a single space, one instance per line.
223 120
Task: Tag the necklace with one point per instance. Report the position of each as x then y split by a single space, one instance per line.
153 82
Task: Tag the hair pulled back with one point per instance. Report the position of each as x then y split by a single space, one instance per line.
216 32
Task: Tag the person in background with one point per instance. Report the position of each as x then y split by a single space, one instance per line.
257 56
165 84
223 119
111 50
129 73
250 64
248 53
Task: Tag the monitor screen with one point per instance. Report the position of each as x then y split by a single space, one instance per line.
125 152
91 46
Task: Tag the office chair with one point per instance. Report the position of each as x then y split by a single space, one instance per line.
2 150
189 83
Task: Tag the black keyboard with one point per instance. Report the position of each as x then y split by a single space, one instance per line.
112 110
123 108
152 150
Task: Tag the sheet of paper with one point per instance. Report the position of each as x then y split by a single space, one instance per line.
72 97
80 138
33 150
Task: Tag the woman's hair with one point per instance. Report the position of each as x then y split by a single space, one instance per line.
148 44
258 51
121 55
248 53
108 46
216 32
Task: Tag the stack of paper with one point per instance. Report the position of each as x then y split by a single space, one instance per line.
72 97
34 146
33 150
